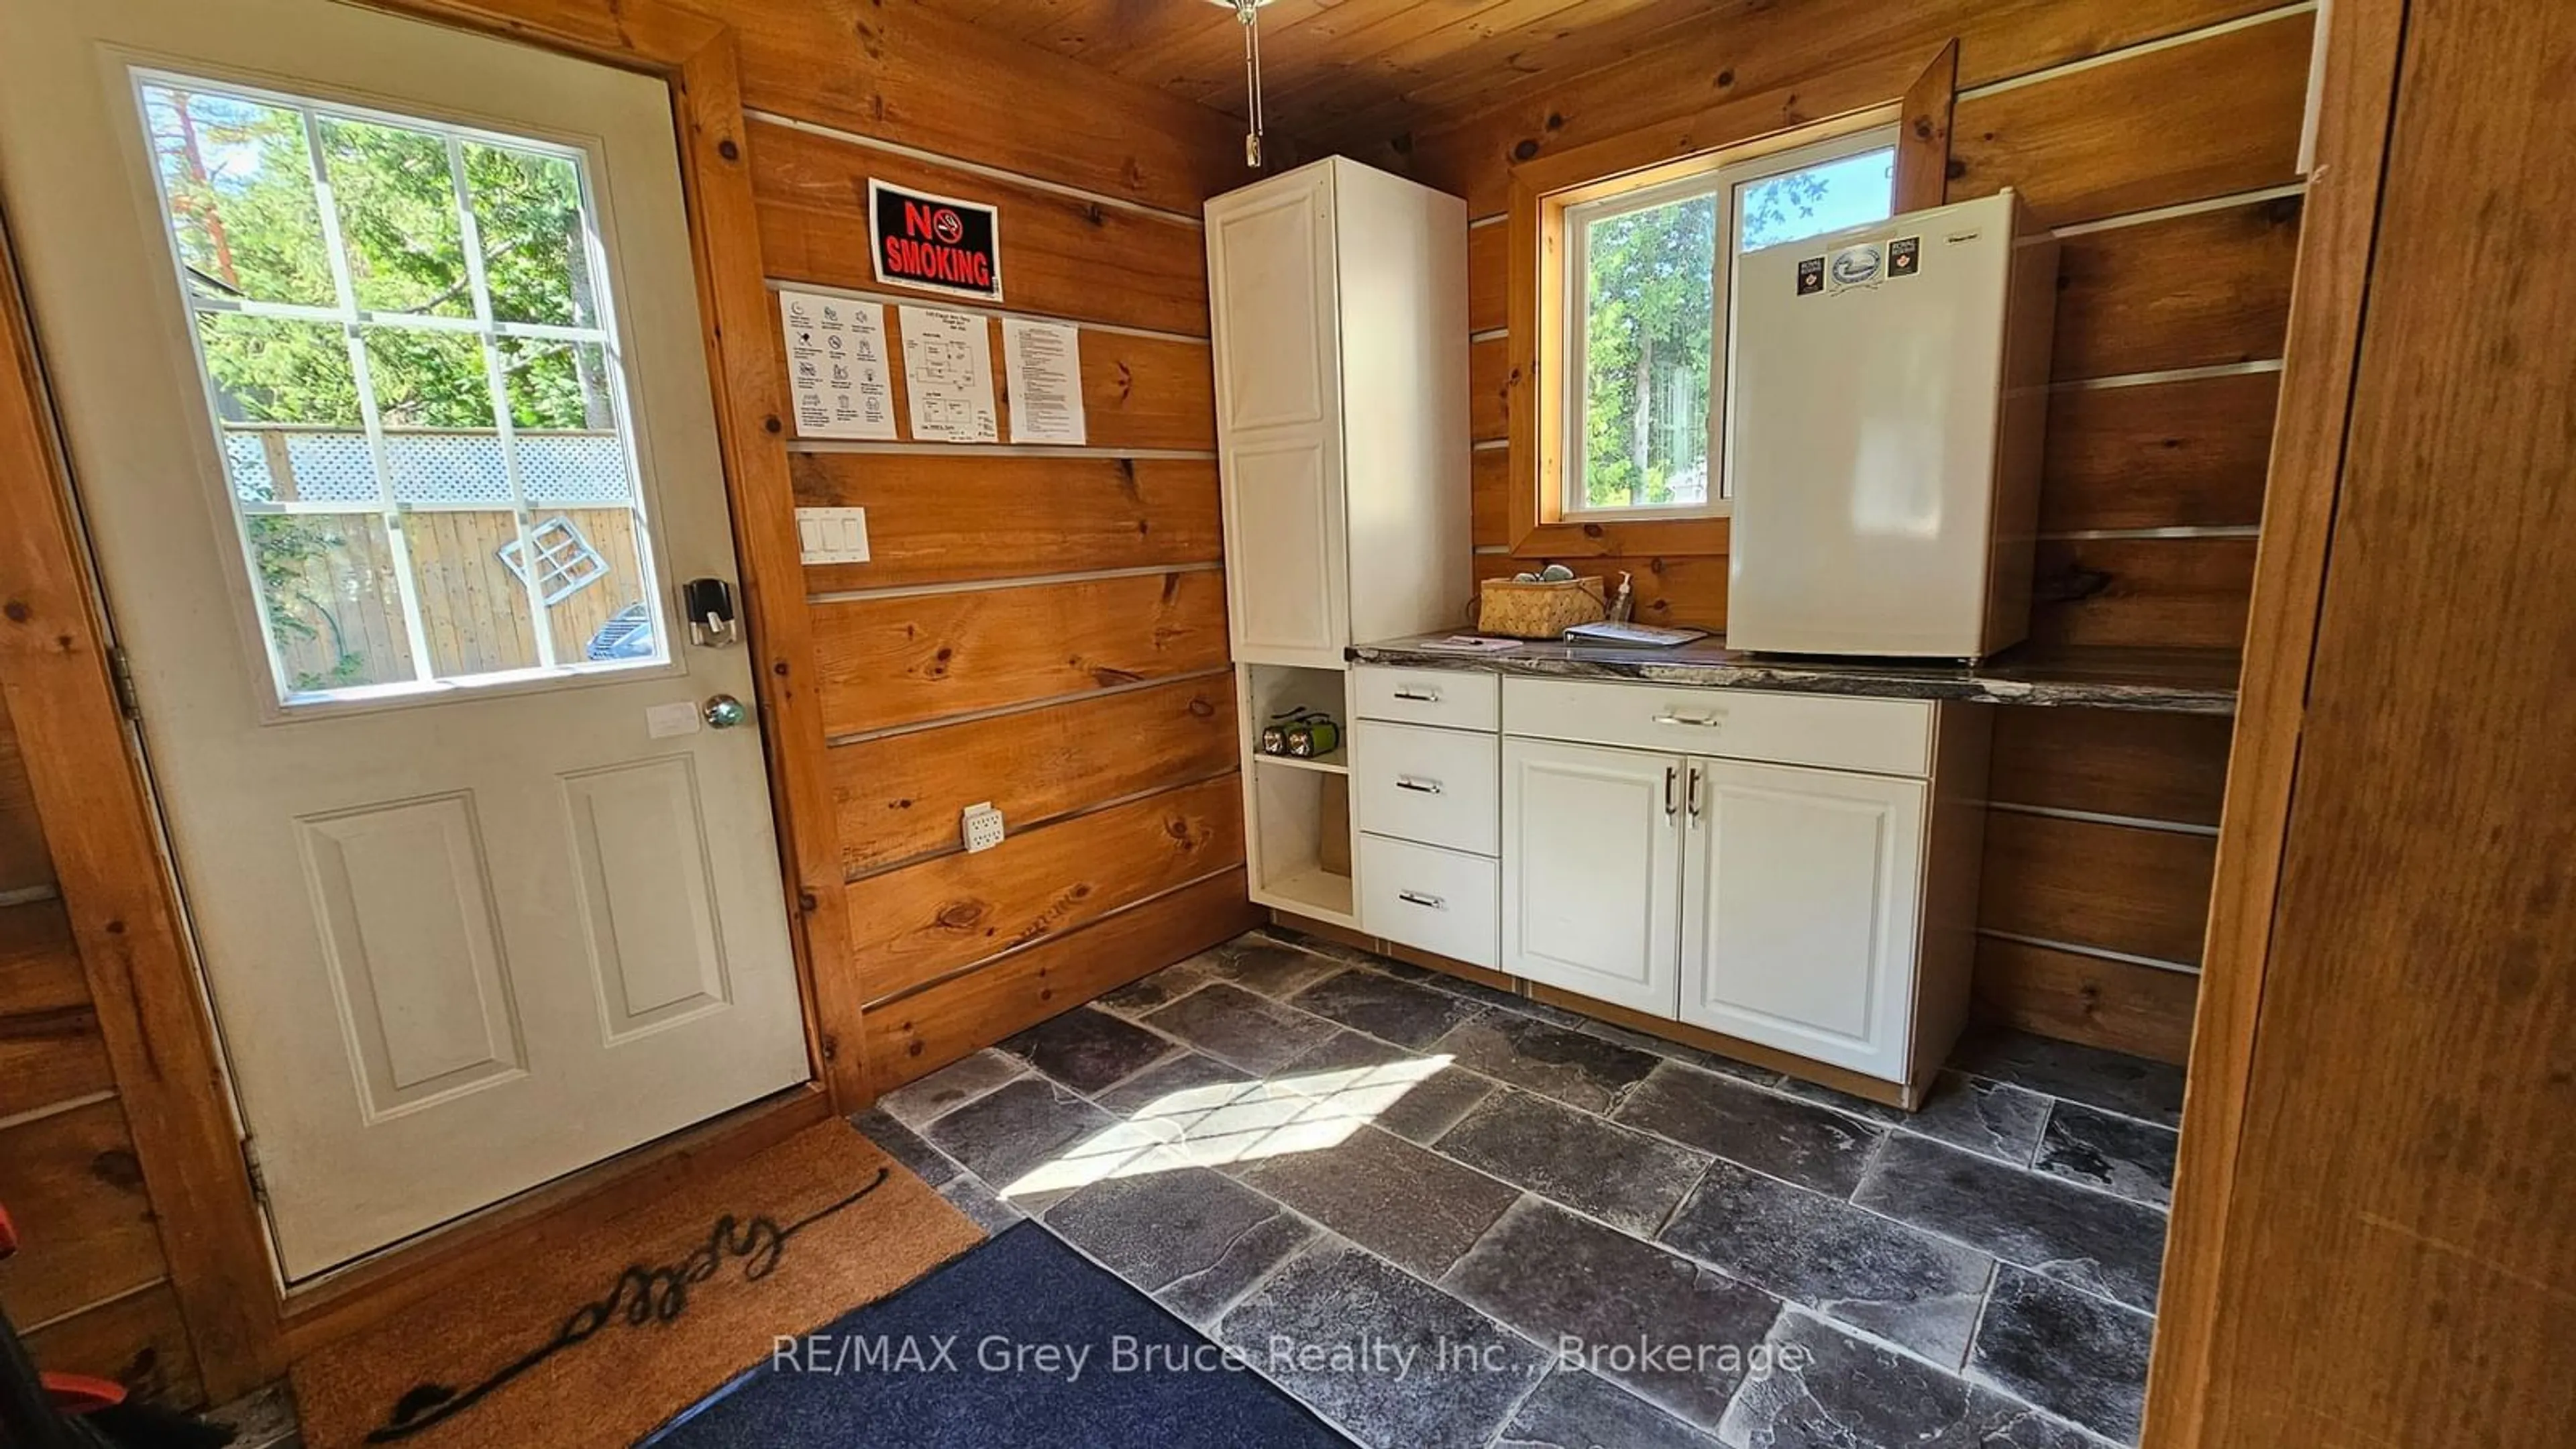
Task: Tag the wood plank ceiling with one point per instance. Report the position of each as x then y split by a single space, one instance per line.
1343 68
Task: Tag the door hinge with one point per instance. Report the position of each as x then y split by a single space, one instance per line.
258 1176
121 669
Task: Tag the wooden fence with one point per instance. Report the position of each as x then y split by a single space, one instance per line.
331 583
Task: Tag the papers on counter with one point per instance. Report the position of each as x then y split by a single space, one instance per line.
1466 644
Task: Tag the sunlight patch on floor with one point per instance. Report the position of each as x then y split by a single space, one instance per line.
1231 1122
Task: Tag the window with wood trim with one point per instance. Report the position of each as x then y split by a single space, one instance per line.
1639 325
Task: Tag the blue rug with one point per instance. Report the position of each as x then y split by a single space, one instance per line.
981 1355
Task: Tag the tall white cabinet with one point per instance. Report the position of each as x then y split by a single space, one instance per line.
1338 296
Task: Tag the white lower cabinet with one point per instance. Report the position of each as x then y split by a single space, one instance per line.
1592 847
1816 906
1800 905
1791 872
1444 901
1434 786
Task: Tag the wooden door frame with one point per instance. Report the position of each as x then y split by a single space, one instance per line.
2338 235
97 810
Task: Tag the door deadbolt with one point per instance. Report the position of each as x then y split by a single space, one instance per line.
708 604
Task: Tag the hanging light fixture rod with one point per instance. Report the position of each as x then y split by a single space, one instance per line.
1248 13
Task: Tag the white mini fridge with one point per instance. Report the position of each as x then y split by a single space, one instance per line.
1883 435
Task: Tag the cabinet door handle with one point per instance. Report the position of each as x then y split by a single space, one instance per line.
1694 797
1697 722
1419 899
1671 773
1419 696
1419 787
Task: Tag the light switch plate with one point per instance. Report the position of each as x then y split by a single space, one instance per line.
832 535
980 826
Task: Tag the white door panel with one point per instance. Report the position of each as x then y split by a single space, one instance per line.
1592 870
464 930
1273 283
1800 923
1285 503
648 892
414 946
1277 349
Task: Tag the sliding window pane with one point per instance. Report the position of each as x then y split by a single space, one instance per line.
1813 200
1649 293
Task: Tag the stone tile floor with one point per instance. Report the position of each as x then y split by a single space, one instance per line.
1289 1142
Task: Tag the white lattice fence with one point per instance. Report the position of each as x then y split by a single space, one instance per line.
274 463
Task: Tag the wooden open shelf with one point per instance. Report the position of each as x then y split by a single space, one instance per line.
1336 763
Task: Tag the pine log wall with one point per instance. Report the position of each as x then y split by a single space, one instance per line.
2160 139
1043 628
89 1288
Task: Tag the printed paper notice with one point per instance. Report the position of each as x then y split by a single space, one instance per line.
838 366
948 374
1042 365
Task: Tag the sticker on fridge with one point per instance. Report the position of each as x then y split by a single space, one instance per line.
1863 265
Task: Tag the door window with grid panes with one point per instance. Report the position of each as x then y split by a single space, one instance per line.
410 355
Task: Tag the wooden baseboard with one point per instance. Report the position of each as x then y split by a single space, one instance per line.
2120 1006
1361 941
1892 1094
563 1211
913 1036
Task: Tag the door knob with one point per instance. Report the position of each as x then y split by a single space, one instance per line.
723 712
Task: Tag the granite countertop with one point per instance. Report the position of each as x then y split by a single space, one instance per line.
2174 681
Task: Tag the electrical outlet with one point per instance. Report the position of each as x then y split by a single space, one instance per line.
981 826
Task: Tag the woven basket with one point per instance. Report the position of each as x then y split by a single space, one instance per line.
1539 611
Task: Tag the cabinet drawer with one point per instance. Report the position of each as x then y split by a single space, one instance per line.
1439 787
1437 900
1458 699
1879 736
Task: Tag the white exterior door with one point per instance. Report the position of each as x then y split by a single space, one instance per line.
1798 926
380 362
1271 288
1592 870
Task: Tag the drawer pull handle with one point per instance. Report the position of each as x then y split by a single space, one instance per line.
1419 787
1701 722
1419 899
1419 696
